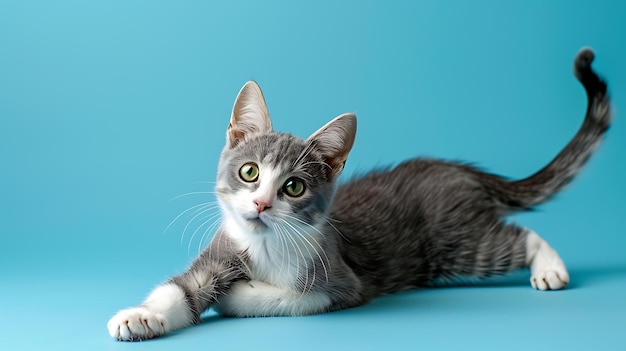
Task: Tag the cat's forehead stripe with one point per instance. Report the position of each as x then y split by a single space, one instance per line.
281 149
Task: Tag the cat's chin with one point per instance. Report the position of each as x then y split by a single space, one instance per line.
256 225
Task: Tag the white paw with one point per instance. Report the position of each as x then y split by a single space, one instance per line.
550 279
547 270
136 324
163 311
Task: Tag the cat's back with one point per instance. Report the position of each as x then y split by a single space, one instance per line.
412 189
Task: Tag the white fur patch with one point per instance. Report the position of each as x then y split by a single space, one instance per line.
259 299
547 270
241 206
163 311
282 250
282 254
280 260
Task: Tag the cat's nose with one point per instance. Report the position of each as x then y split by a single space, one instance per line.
262 205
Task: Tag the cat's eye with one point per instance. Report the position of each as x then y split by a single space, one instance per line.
293 187
249 172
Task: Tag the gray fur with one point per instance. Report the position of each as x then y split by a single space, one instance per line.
393 229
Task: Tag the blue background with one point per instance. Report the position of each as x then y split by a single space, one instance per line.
109 109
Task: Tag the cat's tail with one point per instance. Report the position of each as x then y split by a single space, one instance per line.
539 187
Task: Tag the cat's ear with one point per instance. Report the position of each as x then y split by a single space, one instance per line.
250 116
334 141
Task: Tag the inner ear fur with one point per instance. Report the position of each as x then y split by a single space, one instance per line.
334 141
250 115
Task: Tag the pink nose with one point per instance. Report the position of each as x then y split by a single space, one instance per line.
262 205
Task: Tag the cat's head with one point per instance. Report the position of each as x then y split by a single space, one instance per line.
269 181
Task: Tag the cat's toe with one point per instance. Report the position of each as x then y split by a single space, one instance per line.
550 279
135 324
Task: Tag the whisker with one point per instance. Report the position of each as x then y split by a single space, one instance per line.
313 247
326 269
287 240
307 150
313 163
217 239
185 211
325 164
311 236
193 193
337 230
297 249
282 247
209 219
307 286
200 213
208 231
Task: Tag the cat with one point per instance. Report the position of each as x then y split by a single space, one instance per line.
293 242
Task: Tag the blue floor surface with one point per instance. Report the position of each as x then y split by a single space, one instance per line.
71 313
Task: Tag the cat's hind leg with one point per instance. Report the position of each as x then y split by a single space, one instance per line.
503 248
547 270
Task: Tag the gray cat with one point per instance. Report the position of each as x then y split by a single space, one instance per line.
292 242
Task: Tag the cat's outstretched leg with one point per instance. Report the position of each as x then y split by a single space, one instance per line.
163 311
179 302
547 270
258 299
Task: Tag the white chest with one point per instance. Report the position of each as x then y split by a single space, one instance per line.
283 259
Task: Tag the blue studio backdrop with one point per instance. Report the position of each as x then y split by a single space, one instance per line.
109 110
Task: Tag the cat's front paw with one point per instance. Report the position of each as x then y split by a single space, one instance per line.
135 324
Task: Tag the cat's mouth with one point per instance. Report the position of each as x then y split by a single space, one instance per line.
256 222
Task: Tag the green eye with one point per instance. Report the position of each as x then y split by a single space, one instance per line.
249 172
293 187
